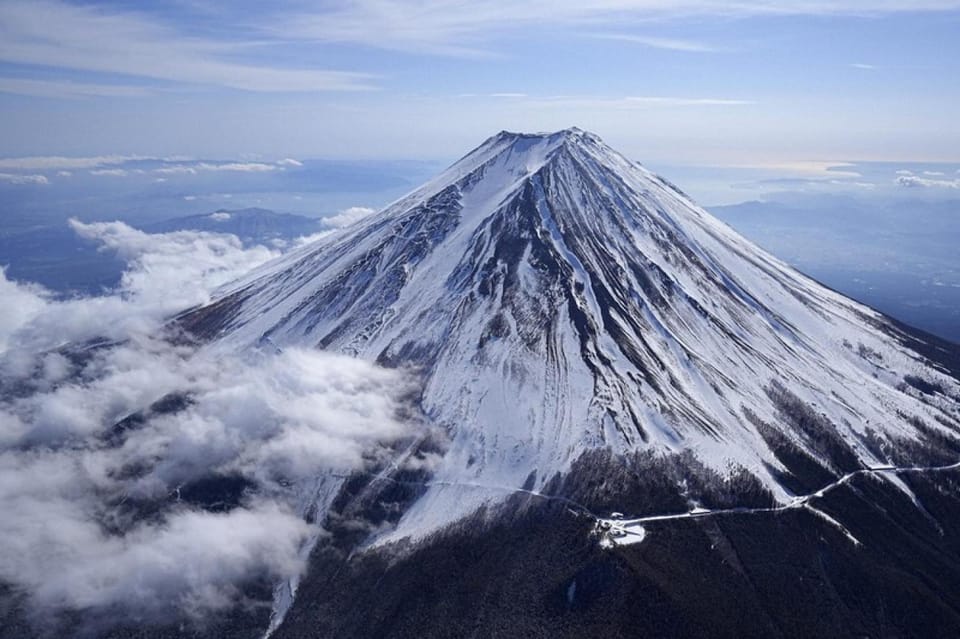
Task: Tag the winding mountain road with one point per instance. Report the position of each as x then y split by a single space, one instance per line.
617 531
620 531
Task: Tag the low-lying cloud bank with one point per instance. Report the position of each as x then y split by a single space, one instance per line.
95 485
348 216
909 180
166 273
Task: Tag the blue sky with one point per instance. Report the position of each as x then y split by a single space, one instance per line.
797 85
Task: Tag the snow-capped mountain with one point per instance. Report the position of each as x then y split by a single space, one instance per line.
558 301
557 297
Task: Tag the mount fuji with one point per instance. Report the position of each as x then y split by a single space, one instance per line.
586 339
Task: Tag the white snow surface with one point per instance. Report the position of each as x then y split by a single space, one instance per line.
555 297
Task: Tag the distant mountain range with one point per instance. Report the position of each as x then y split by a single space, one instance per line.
251 225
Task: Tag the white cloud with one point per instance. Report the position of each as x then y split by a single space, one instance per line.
239 167
904 172
176 269
677 101
289 162
596 102
934 173
243 167
57 34
176 170
629 102
65 89
64 173
278 421
220 216
70 535
304 240
47 163
191 563
166 273
17 178
654 42
861 65
463 27
914 181
348 216
109 172
21 303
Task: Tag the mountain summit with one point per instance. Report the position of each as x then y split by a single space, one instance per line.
565 309
556 296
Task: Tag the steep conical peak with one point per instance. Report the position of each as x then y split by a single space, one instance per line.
559 304
556 297
501 165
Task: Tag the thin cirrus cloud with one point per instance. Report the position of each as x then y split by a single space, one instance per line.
50 33
609 102
634 102
144 54
653 42
462 27
69 90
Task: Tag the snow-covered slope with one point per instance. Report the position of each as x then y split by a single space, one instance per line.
556 297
